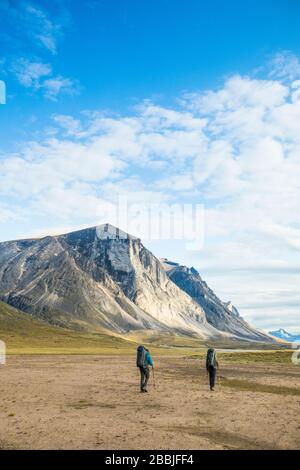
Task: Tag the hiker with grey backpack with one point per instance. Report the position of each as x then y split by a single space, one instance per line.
211 367
144 362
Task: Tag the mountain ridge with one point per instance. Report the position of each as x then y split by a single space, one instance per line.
222 315
100 277
284 335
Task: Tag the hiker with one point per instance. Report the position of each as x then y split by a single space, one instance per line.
144 362
211 367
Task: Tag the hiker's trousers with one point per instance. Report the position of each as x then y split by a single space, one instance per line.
145 374
212 376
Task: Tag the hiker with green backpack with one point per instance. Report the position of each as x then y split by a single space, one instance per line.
144 362
211 367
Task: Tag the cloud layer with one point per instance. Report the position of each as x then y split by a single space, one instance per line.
236 150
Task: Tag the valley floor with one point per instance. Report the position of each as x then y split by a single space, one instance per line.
93 402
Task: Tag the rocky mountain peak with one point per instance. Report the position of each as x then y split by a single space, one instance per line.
104 277
108 231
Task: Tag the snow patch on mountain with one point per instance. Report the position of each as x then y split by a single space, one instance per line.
284 335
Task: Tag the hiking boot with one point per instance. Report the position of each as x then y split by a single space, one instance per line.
212 389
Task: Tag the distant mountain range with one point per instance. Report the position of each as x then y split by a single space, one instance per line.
284 335
102 277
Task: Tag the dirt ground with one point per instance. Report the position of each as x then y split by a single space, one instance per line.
88 402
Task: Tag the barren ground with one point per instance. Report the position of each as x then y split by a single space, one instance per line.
93 402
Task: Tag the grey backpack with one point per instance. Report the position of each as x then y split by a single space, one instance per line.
141 356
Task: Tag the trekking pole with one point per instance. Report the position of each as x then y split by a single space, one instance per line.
154 384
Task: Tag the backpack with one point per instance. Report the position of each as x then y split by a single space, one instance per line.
210 359
141 357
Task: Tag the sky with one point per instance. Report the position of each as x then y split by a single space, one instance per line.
161 104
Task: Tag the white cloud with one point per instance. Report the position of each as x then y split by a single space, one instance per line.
54 163
29 74
38 76
38 25
9 213
71 126
43 29
238 91
57 85
284 65
289 235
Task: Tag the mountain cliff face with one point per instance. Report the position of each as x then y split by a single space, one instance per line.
223 316
102 277
96 277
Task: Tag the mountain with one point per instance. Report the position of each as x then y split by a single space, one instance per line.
104 278
97 277
223 316
284 335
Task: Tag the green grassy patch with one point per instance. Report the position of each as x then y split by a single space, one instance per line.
275 357
245 386
83 404
24 334
250 357
224 438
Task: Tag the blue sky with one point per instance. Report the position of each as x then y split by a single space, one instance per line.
162 102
